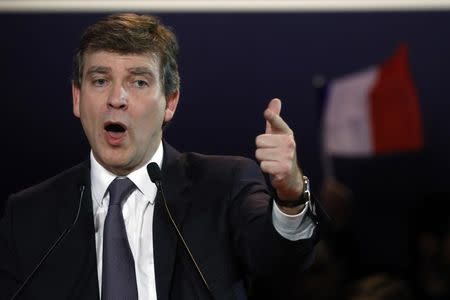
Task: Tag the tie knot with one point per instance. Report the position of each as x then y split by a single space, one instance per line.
119 190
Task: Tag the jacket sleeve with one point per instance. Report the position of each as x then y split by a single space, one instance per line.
273 262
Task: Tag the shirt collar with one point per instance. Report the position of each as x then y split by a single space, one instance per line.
102 178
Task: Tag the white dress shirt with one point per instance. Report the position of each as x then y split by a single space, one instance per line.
138 216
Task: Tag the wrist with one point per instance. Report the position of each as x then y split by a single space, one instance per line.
292 211
304 197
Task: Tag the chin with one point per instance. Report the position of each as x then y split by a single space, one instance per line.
115 160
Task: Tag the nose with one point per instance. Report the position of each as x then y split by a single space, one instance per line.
118 98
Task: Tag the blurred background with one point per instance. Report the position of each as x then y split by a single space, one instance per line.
364 88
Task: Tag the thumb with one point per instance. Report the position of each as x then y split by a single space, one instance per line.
274 107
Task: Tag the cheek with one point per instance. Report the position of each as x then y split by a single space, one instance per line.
85 111
157 111
149 119
157 117
89 113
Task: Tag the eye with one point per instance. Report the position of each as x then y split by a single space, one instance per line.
141 83
100 82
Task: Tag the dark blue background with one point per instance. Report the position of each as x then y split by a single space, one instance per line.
231 65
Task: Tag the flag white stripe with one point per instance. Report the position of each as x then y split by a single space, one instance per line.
347 121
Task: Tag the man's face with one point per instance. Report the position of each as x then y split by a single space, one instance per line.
121 105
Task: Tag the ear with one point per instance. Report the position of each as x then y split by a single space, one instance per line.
171 105
75 99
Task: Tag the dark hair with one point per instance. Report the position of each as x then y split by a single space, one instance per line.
132 34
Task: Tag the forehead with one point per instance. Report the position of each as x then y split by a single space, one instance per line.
116 62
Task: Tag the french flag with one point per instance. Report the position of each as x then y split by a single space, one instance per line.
374 111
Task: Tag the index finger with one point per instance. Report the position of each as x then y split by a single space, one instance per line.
276 124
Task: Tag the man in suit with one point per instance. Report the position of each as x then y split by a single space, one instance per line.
235 241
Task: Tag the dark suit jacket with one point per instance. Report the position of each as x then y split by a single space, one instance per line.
221 205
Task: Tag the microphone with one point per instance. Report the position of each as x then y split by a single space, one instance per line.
55 244
156 177
155 174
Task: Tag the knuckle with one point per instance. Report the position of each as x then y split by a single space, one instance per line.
263 165
290 155
261 140
286 167
258 153
291 142
279 177
258 140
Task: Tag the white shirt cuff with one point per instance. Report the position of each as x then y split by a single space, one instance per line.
293 227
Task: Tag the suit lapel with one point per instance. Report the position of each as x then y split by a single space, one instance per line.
78 248
77 251
175 185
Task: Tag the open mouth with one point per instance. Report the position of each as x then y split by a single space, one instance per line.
116 133
115 127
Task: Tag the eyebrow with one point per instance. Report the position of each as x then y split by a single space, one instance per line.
134 71
98 69
141 71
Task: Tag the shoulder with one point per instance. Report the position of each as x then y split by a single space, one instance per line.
56 186
218 161
209 167
220 168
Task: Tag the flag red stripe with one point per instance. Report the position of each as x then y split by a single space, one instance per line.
394 107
